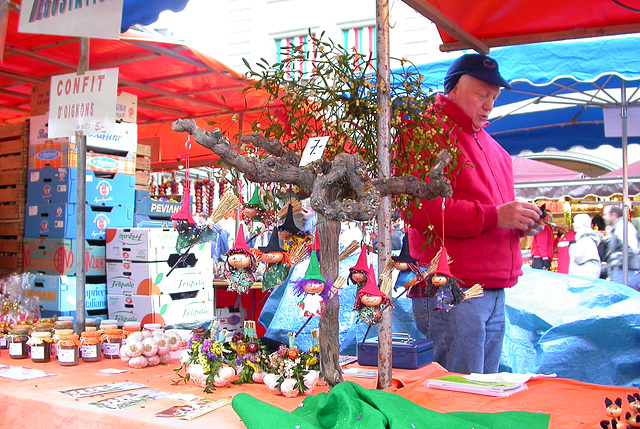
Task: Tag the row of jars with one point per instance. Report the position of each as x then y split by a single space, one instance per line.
42 341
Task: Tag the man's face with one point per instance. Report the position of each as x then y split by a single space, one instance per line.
475 97
609 218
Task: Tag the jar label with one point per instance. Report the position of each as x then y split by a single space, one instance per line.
111 349
15 349
37 353
89 351
66 355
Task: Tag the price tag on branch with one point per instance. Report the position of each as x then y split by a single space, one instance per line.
313 150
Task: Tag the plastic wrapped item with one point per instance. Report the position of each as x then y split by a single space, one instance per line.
15 302
579 328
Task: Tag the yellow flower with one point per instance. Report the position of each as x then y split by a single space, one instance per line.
242 349
312 361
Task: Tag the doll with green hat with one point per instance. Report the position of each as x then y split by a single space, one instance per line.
315 289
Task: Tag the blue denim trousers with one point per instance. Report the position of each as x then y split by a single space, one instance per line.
616 275
468 338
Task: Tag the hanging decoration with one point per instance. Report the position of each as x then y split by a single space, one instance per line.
290 234
241 266
410 273
359 272
278 263
314 288
371 301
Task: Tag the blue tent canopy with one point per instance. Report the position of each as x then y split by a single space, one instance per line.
146 12
558 91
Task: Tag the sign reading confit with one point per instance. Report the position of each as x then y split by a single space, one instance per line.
98 19
85 102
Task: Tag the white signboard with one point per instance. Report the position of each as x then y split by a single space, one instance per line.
313 150
613 122
100 19
85 102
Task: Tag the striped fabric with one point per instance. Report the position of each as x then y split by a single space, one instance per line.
283 52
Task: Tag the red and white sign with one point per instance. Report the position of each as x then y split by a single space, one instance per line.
85 102
87 18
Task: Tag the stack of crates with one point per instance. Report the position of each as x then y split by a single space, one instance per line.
146 283
50 226
14 140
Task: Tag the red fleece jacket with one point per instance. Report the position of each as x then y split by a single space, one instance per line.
481 252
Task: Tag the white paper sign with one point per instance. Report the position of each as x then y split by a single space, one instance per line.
84 103
313 150
100 19
613 122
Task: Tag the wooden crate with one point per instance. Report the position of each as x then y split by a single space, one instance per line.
143 178
14 145
11 245
144 150
143 163
12 211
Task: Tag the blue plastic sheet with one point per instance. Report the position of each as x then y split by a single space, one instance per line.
586 330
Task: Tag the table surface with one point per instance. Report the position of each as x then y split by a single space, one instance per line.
39 403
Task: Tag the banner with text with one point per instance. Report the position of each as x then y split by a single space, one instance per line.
84 103
99 19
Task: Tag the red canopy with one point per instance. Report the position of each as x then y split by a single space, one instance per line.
483 24
171 81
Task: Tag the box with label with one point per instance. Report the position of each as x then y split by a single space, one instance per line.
127 107
58 293
230 318
55 256
58 220
144 221
147 244
156 207
163 277
170 310
59 185
124 139
59 155
406 352
39 131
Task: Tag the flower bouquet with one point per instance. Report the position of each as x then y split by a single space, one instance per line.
248 355
204 359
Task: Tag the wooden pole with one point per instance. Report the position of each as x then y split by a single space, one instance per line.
385 363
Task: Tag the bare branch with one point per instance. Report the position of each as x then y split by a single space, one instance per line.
274 147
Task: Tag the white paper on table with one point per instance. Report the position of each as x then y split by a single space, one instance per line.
506 377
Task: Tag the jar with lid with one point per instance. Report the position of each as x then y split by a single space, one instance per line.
153 327
108 324
56 336
130 327
42 327
91 325
68 349
90 346
111 343
40 344
3 335
18 347
63 324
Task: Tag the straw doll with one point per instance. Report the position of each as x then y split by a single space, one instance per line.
358 273
278 263
241 266
314 288
371 301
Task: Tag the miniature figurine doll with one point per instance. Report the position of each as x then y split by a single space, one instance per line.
241 266
253 208
358 273
290 234
410 272
442 285
371 301
278 263
315 289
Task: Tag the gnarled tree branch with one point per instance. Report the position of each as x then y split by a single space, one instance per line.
274 147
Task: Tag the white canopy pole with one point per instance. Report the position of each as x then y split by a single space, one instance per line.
626 206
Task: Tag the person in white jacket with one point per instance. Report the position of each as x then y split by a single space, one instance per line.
584 260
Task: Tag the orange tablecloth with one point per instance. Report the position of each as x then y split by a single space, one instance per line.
39 403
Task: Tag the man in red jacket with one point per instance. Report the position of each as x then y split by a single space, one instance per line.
483 225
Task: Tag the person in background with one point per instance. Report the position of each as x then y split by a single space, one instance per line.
583 253
613 217
543 246
483 225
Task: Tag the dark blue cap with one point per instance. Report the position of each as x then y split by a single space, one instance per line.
479 66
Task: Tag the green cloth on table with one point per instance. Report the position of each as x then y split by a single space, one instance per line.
351 406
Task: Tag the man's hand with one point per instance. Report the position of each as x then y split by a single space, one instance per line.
517 215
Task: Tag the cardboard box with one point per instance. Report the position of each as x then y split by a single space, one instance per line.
58 220
124 139
64 155
58 293
127 107
39 131
56 256
406 352
40 98
155 278
141 244
167 309
155 207
144 221
60 185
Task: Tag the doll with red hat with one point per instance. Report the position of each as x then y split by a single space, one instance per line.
358 273
241 265
371 301
278 262
441 284
314 287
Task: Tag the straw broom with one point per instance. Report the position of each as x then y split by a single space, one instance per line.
348 251
228 202
298 253
295 206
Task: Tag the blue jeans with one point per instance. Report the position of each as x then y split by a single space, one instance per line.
468 338
615 275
